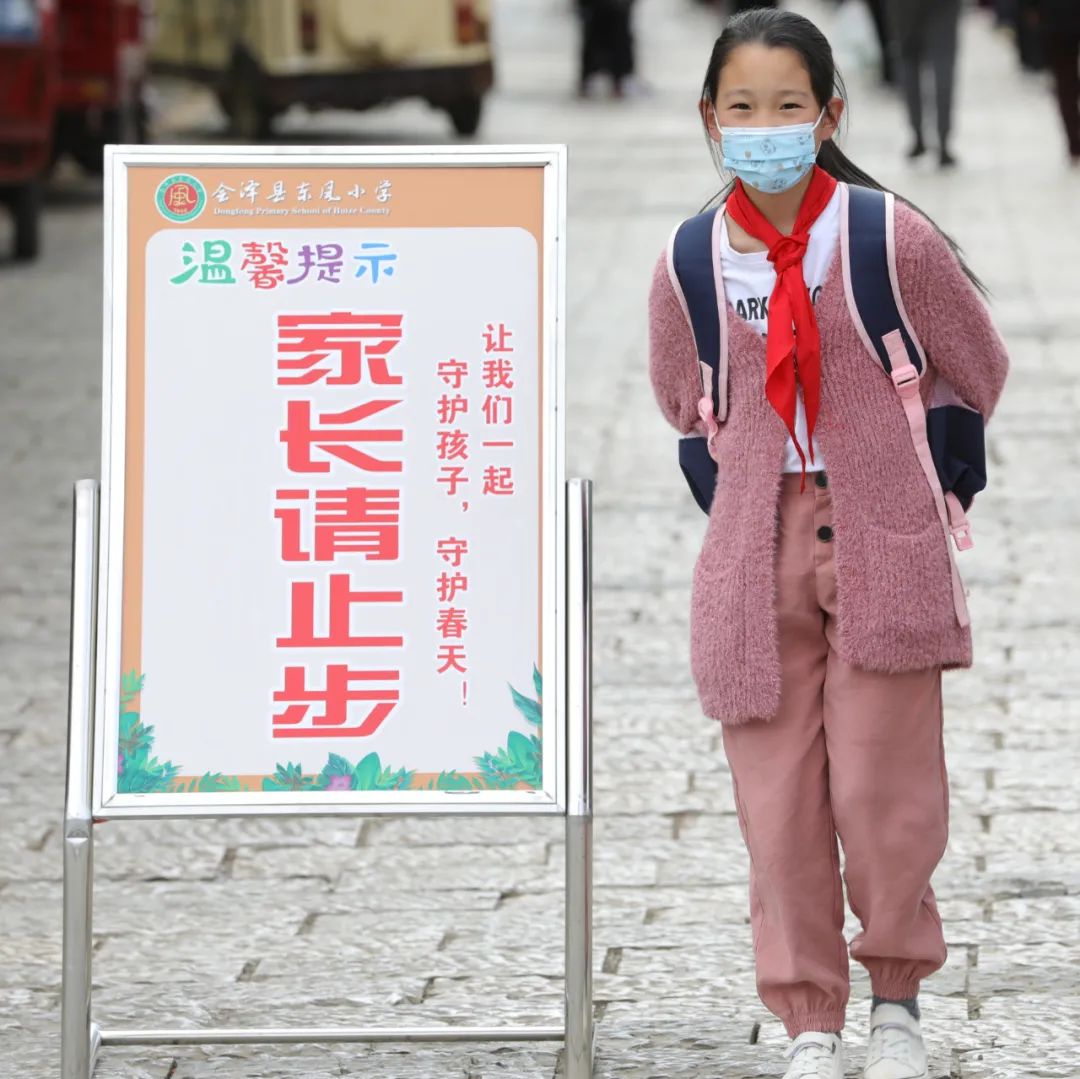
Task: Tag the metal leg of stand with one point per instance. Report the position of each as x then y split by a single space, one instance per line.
579 987
80 1039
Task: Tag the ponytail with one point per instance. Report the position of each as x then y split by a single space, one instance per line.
838 165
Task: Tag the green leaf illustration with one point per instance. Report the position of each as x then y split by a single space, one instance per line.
215 782
146 776
518 763
528 708
131 685
450 781
391 780
521 760
288 777
136 771
134 737
366 773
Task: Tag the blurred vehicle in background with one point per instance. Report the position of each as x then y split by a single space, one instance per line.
29 78
261 56
102 77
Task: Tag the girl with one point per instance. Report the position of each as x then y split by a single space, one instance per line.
823 662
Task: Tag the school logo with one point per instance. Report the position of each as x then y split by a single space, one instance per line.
180 197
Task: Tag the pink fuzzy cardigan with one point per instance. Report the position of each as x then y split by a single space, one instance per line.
894 592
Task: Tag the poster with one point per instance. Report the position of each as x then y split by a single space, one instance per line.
331 542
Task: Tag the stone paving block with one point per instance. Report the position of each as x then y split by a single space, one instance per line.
440 831
325 864
1019 1036
155 861
1047 872
1024 968
521 998
1023 915
340 994
459 901
236 832
377 955
221 953
727 865
239 903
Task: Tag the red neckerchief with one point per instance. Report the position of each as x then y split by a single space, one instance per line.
792 325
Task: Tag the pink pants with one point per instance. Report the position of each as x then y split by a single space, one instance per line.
852 754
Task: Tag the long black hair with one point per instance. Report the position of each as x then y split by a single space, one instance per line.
779 29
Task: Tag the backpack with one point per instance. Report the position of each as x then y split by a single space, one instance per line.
947 435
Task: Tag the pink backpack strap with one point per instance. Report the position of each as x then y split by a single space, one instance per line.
906 379
906 360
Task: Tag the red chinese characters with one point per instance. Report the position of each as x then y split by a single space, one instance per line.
337 348
376 691
497 372
455 455
355 520
305 441
340 631
332 526
452 620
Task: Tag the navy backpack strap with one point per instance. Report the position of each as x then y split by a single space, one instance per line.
692 261
869 264
869 269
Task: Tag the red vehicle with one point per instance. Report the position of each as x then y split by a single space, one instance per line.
102 72
29 79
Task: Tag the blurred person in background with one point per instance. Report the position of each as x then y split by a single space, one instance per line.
731 8
1029 43
861 38
925 34
888 67
1059 24
738 6
1019 18
607 45
18 18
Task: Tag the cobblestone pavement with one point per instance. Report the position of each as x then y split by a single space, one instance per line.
263 921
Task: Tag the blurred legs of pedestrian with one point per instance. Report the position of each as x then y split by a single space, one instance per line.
746 5
1063 55
607 43
877 11
1029 42
1008 12
926 33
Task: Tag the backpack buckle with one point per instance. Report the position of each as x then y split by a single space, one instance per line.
961 535
959 525
905 378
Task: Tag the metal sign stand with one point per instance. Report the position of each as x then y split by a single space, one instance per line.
82 1039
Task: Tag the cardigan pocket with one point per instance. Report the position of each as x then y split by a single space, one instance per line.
912 594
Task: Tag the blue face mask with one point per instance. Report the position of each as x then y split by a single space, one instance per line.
770 159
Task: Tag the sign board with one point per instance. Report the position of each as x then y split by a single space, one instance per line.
332 541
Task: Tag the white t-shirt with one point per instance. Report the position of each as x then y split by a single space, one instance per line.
749 279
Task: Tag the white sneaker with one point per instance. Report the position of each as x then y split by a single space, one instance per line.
896 1049
815 1056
